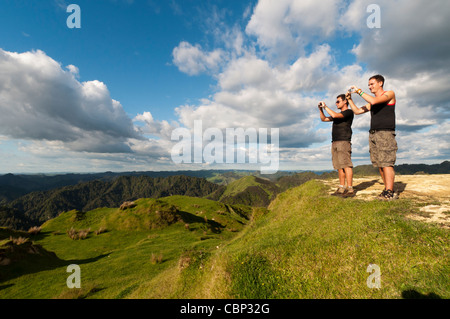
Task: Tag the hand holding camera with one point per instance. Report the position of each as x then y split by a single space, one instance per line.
354 89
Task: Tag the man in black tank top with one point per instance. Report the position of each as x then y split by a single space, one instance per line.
341 147
382 143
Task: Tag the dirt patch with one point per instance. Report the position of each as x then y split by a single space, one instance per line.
430 191
434 214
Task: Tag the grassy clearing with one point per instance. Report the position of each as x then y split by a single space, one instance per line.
308 245
312 245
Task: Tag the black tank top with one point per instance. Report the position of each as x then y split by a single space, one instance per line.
342 127
382 117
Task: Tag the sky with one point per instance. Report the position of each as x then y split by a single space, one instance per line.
112 93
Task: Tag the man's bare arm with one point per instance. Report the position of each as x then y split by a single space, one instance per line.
322 115
387 96
355 109
334 115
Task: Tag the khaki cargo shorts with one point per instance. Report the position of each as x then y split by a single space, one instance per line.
383 148
341 154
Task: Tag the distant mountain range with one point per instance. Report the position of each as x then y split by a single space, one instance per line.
408 169
13 186
37 207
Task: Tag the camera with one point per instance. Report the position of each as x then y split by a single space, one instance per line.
321 104
351 90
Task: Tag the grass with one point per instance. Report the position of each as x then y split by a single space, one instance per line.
307 245
312 245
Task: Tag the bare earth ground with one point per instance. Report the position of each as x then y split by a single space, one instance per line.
431 192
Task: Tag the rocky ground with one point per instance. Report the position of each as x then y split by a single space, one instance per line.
431 192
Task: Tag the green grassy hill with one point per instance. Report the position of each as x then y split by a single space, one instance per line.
306 245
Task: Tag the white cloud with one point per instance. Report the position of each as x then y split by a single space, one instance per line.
192 60
246 71
431 145
73 69
161 129
411 40
284 28
41 101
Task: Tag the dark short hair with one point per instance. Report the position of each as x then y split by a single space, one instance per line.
378 78
342 96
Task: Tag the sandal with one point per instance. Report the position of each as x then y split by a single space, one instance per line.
340 191
381 195
350 193
387 195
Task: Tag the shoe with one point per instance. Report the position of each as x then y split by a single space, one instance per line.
350 192
381 195
339 192
388 195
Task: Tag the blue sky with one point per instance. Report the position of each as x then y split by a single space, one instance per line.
107 96
127 45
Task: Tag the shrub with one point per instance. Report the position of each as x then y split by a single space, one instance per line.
78 234
18 241
127 205
34 230
100 231
156 259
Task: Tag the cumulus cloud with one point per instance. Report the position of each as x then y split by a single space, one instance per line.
39 100
192 60
410 39
160 129
284 28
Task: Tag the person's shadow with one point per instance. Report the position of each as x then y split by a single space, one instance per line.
399 187
414 294
364 185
